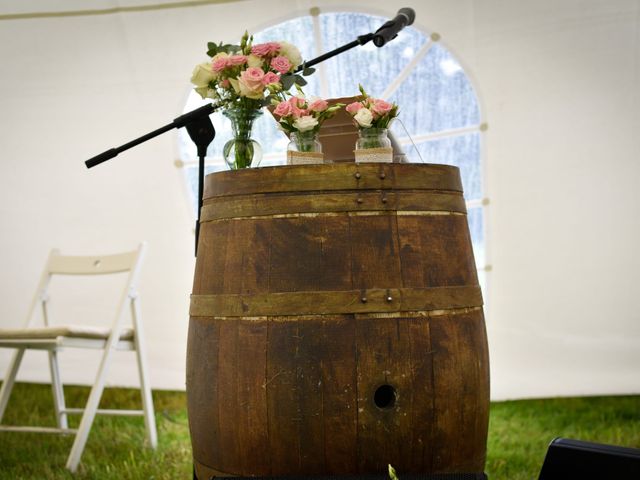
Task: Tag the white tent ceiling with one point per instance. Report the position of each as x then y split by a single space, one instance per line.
15 7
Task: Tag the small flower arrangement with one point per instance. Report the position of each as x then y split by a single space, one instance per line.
372 112
297 114
372 116
301 118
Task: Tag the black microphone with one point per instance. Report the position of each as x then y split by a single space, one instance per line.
390 29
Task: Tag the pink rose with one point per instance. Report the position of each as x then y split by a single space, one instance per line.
219 63
296 106
283 109
297 102
252 77
353 108
318 105
281 64
381 107
270 77
237 60
265 49
225 83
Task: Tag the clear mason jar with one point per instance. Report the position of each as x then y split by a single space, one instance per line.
373 146
304 149
304 142
373 138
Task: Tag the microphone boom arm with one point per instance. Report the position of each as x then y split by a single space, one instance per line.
361 40
179 122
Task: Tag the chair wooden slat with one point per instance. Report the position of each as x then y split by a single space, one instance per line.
91 265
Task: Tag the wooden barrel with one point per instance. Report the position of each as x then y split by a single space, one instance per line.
336 324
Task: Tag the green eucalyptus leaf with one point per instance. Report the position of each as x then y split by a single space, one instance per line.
287 81
212 49
299 80
308 71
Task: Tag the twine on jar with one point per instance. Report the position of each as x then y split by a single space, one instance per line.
374 155
304 158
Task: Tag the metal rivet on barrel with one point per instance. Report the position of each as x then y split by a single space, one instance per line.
359 199
389 298
384 199
382 175
357 175
363 299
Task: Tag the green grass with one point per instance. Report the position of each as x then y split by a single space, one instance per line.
520 431
116 445
519 434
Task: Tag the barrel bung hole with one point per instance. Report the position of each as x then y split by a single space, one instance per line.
385 397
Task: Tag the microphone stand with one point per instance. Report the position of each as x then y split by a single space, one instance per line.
202 133
200 128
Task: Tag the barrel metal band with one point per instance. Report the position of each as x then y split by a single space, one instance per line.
377 300
270 205
332 177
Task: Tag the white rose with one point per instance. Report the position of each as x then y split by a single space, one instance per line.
201 77
254 61
202 91
364 117
291 52
235 84
306 123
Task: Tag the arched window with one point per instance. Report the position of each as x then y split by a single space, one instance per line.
440 120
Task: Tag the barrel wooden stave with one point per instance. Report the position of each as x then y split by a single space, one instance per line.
276 395
296 396
338 252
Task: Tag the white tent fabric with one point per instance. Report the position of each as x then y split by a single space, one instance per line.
559 82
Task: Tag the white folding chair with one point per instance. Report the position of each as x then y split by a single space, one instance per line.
54 338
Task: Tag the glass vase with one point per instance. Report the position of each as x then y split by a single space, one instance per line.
242 151
373 145
304 148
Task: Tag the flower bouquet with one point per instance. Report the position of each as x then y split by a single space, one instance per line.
301 119
241 79
372 116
